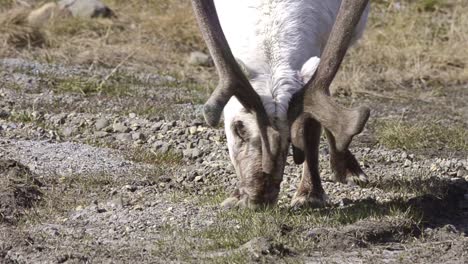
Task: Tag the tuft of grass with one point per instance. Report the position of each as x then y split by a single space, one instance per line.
169 158
405 135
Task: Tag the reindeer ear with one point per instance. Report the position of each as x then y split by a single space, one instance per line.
309 68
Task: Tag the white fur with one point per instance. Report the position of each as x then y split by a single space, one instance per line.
279 41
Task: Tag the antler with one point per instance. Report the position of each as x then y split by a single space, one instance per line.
232 81
343 123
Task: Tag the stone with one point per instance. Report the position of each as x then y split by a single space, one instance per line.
198 179
193 130
38 17
460 173
121 128
69 131
100 134
138 136
4 114
101 123
199 58
196 153
86 8
123 137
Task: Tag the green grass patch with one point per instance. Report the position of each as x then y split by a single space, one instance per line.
406 135
222 241
22 116
169 158
92 86
236 227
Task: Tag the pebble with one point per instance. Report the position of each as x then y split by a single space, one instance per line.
138 136
123 137
193 130
199 58
4 114
121 128
100 134
101 123
69 131
198 179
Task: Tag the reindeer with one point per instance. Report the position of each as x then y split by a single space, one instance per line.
275 91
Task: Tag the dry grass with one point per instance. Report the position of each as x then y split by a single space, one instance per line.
157 34
408 45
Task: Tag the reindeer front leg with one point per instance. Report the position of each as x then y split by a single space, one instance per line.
310 192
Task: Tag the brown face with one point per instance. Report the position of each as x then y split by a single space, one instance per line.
257 186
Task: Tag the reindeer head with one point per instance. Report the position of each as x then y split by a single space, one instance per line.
258 146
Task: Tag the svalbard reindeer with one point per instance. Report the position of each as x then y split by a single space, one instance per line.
274 90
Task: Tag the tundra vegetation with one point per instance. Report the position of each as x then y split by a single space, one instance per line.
105 114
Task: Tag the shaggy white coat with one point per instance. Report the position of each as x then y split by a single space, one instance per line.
279 43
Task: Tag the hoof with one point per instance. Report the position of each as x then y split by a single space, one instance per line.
243 202
309 201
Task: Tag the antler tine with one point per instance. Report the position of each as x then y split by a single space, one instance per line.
232 80
343 123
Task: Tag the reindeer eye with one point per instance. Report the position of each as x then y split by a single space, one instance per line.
240 130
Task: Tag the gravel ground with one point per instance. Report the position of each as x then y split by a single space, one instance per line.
60 134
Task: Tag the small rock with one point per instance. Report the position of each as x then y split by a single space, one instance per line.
407 163
101 123
199 59
460 173
193 130
130 188
138 207
69 131
123 137
196 153
138 136
119 127
4 114
198 179
41 15
86 8
100 134
132 115
37 115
